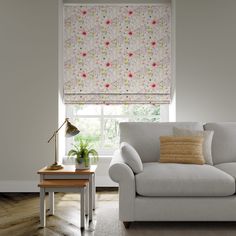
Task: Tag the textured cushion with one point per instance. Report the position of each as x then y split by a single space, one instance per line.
223 142
131 157
229 168
168 179
206 147
181 149
144 136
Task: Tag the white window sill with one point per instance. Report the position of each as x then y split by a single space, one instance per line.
71 160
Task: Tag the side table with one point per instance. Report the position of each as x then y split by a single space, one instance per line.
70 173
57 185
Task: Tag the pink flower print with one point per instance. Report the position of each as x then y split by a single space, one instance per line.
84 12
130 75
107 85
130 54
84 54
154 22
154 43
84 33
107 43
153 85
108 64
130 33
84 75
155 64
130 12
108 22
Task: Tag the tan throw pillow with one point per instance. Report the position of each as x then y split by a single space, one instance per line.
206 146
182 149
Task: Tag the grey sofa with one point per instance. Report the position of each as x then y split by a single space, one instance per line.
176 192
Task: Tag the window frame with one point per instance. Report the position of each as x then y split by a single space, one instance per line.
164 117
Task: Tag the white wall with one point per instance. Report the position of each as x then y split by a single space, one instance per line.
205 77
28 89
205 60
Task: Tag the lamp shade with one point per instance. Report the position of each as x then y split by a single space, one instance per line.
71 130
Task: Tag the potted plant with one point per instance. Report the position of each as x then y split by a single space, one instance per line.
85 155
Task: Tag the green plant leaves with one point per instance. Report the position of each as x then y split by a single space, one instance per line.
84 153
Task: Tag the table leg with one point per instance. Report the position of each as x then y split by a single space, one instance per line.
42 208
94 191
86 201
51 203
82 208
90 197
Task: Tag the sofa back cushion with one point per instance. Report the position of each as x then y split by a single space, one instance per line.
223 142
144 136
206 146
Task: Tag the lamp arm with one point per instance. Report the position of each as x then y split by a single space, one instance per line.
55 132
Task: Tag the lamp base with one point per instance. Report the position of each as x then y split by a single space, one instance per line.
55 166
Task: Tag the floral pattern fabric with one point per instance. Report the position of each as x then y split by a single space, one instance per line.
117 54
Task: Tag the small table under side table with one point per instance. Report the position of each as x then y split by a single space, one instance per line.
67 174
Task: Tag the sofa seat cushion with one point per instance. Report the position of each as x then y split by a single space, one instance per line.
169 179
229 168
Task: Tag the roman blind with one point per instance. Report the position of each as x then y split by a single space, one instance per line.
117 54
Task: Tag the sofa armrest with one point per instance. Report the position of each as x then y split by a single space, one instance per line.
119 171
123 174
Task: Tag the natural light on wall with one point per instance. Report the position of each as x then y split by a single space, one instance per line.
117 67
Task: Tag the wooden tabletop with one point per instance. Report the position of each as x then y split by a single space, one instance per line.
68 169
62 183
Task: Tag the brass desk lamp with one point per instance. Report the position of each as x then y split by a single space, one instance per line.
71 131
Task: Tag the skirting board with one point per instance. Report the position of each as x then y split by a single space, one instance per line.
18 186
32 186
105 181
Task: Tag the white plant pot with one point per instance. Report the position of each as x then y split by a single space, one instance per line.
81 166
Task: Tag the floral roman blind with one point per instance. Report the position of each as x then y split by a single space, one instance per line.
117 54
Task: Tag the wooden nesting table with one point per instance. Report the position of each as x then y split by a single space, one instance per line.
68 180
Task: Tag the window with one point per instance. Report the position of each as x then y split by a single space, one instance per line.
99 124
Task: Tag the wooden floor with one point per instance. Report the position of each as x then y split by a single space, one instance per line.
19 216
